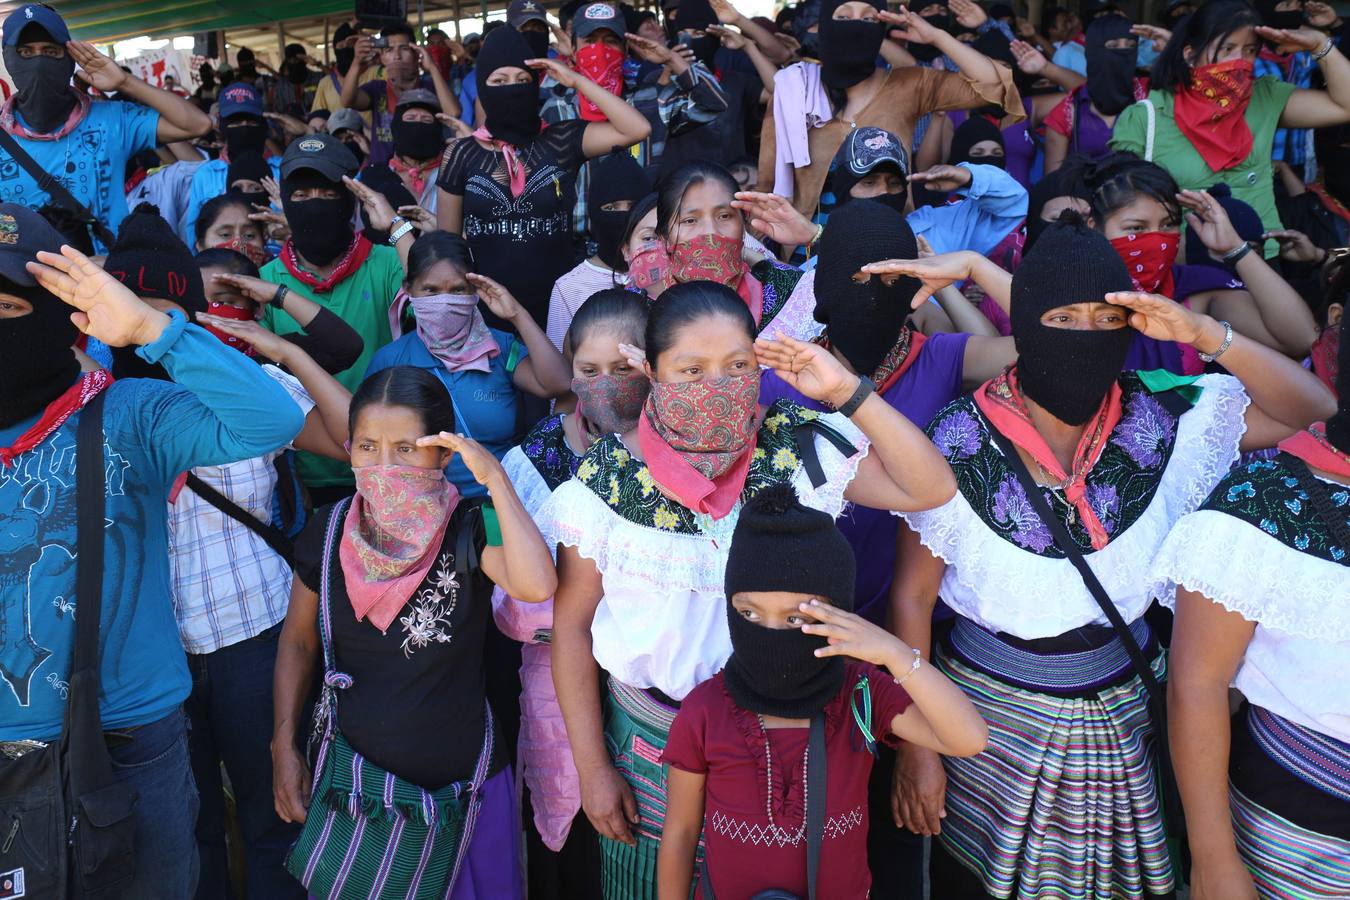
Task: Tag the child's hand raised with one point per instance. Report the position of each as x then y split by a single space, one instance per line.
849 634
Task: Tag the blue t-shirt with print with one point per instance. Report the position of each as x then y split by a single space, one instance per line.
223 408
91 161
486 403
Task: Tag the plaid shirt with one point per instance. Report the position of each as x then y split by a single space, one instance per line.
228 585
1290 144
686 101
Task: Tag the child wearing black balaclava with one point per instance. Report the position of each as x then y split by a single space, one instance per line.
738 755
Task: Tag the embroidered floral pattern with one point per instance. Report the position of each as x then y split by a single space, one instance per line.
1266 494
1119 488
546 446
428 612
779 282
626 485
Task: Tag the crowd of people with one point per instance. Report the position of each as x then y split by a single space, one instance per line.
656 454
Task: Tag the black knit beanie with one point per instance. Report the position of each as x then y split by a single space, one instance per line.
248 165
975 130
150 259
1068 372
863 319
781 545
503 47
1066 181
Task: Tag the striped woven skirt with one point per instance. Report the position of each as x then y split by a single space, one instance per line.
1064 801
1290 792
637 726
370 834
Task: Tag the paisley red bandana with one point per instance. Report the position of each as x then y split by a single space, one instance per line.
1211 112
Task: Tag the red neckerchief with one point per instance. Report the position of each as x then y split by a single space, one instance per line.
1211 112
1311 446
352 259
1000 399
10 122
56 413
415 175
1333 205
896 362
1280 59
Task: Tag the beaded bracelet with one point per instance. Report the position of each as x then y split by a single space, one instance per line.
914 667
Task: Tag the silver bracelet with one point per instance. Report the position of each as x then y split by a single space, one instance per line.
1234 256
914 667
1227 340
1323 51
397 234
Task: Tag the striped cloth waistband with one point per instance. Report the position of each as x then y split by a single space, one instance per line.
642 706
1309 756
1075 674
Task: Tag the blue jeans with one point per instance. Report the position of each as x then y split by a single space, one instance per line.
230 709
155 764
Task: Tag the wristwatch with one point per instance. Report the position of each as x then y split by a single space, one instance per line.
865 387
398 227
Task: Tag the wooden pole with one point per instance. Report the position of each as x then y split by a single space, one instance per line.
459 14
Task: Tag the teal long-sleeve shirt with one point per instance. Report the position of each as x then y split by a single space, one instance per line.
220 407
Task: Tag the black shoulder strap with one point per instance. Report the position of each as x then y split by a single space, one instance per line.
804 435
54 188
90 513
1320 498
270 534
470 515
815 802
1157 698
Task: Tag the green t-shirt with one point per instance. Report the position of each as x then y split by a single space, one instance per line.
1251 180
362 300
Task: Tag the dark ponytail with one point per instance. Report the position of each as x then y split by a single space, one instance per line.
613 309
1121 178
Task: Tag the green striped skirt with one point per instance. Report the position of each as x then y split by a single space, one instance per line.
637 727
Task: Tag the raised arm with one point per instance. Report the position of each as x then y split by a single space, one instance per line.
444 94
624 125
770 46
937 272
1208 643
903 471
179 118
352 95
326 338
1314 109
544 372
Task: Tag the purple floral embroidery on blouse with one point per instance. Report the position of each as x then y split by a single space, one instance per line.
1105 502
1145 430
1012 508
957 436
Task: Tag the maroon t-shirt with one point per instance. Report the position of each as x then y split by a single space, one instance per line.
714 737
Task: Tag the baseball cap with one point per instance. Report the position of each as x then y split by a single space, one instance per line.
35 14
240 98
418 97
323 153
594 16
346 118
868 147
522 11
22 234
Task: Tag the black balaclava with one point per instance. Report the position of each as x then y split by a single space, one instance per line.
863 320
1063 182
781 545
537 41
941 21
36 362
1290 19
807 13
241 138
614 177
1067 372
418 141
1110 72
511 110
1246 222
251 166
1332 146
150 259
42 90
698 15
343 56
384 180
1338 426
975 130
848 47
320 229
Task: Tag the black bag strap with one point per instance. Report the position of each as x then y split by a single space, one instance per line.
48 182
1320 498
804 435
1157 698
270 534
89 546
815 802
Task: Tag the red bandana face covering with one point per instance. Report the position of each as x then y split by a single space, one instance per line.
698 438
602 64
650 270
1211 112
256 255
226 311
1149 257
711 257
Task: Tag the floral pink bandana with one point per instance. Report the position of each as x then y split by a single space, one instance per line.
452 329
698 438
10 122
391 536
713 257
611 404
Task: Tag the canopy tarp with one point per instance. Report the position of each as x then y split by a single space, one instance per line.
114 20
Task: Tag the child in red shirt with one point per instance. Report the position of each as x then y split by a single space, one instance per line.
738 756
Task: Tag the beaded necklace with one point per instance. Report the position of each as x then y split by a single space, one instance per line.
781 835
